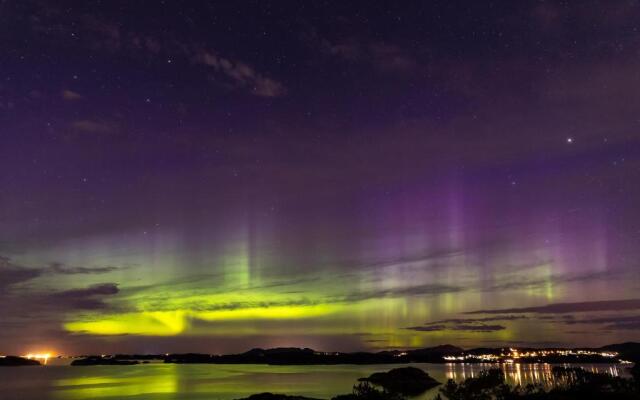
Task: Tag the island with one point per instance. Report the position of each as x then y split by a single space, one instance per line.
100 360
626 352
272 396
306 356
408 381
616 353
13 361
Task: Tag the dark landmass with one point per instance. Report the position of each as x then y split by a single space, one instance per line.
635 372
407 381
439 354
271 396
98 360
147 357
629 351
12 361
297 356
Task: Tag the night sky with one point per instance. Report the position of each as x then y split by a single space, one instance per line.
216 176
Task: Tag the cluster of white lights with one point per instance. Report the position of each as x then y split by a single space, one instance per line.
515 354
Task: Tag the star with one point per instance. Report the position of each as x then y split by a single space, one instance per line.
570 140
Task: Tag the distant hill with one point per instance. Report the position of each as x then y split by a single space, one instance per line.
98 360
306 356
12 361
271 396
629 351
434 354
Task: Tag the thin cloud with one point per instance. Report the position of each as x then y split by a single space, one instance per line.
629 325
388 57
232 306
475 320
102 35
466 324
382 56
432 259
93 126
53 305
429 328
479 328
419 290
58 268
70 95
241 74
12 274
563 308
87 298
458 327
554 280
611 322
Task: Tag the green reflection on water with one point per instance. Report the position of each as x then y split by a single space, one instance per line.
161 379
223 382
175 381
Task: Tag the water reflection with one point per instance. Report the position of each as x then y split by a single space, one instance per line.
524 374
129 383
225 382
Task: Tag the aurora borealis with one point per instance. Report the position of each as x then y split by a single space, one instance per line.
217 176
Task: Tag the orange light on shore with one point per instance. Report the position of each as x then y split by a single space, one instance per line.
43 357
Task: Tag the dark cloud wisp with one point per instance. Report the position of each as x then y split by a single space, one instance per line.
458 327
563 308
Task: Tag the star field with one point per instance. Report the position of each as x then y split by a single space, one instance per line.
217 176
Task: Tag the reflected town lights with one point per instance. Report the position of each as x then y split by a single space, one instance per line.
523 373
514 355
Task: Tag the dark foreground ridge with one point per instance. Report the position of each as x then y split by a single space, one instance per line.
13 361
